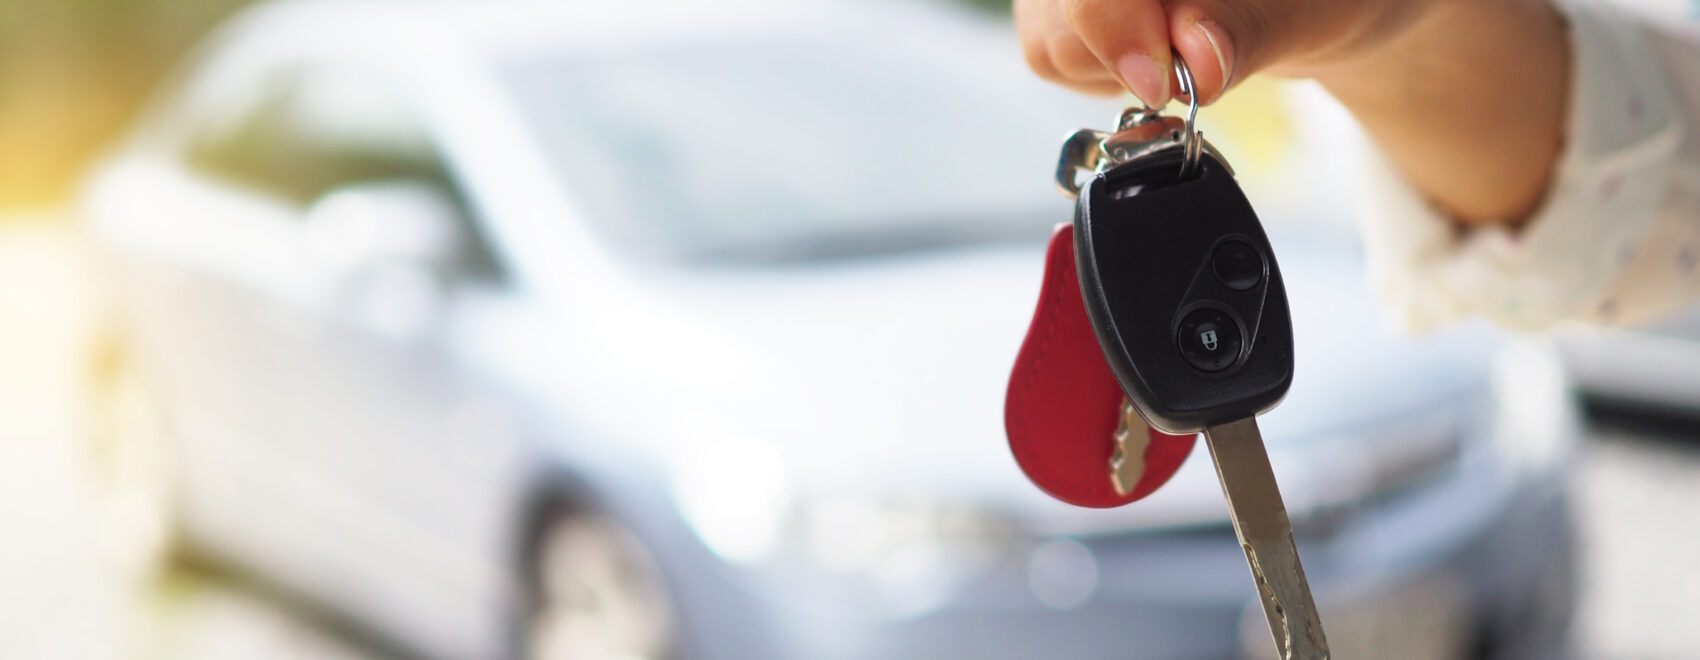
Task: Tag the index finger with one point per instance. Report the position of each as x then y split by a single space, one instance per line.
1131 38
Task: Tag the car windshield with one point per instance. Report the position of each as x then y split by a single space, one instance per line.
794 149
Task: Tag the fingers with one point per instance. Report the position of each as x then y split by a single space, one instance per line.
1220 41
1073 60
1056 53
1209 54
1130 39
1096 45
1227 40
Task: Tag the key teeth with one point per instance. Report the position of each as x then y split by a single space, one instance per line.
1127 464
1277 614
1116 479
1273 610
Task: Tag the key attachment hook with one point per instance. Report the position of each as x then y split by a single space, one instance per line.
1193 146
1140 131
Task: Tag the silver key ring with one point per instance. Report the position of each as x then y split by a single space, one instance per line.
1193 147
1192 144
1139 133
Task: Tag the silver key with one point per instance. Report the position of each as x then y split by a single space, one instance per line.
1260 522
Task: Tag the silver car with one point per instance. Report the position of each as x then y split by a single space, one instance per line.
594 330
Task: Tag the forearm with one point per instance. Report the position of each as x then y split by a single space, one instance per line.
1469 103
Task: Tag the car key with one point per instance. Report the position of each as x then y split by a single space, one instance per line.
1188 305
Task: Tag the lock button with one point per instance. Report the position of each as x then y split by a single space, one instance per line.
1209 339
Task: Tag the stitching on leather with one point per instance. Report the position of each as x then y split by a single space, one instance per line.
1021 421
1041 346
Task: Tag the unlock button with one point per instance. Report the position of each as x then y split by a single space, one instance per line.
1237 264
1209 339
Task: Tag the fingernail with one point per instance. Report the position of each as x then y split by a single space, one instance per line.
1220 45
1147 79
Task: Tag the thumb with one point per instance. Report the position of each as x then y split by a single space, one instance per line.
1224 41
1209 52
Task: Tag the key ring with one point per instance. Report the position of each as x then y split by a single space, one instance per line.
1191 145
1139 132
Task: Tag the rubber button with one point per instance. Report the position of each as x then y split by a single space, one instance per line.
1209 339
1238 265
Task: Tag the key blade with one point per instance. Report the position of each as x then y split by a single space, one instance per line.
1127 463
1260 521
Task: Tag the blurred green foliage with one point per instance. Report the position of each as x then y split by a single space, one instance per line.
73 71
991 5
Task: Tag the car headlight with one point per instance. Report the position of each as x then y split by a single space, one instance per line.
894 542
1535 416
737 497
733 491
912 554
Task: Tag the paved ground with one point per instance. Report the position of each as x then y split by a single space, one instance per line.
65 591
1638 498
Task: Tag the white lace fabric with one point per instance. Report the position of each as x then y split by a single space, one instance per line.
1617 241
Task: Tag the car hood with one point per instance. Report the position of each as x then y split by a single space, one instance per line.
886 376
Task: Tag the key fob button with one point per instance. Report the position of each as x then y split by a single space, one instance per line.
1209 339
1238 265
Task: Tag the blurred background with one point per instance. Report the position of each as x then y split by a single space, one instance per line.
550 329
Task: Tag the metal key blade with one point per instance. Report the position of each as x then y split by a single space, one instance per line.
1127 462
1260 521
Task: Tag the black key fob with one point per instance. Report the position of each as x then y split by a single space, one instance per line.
1187 303
1183 291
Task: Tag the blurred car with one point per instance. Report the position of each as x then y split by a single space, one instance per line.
1651 368
643 330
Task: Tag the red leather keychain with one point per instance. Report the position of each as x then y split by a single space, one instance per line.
1064 409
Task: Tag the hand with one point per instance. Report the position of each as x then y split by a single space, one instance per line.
1103 46
1466 97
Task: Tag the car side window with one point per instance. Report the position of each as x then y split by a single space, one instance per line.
307 132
